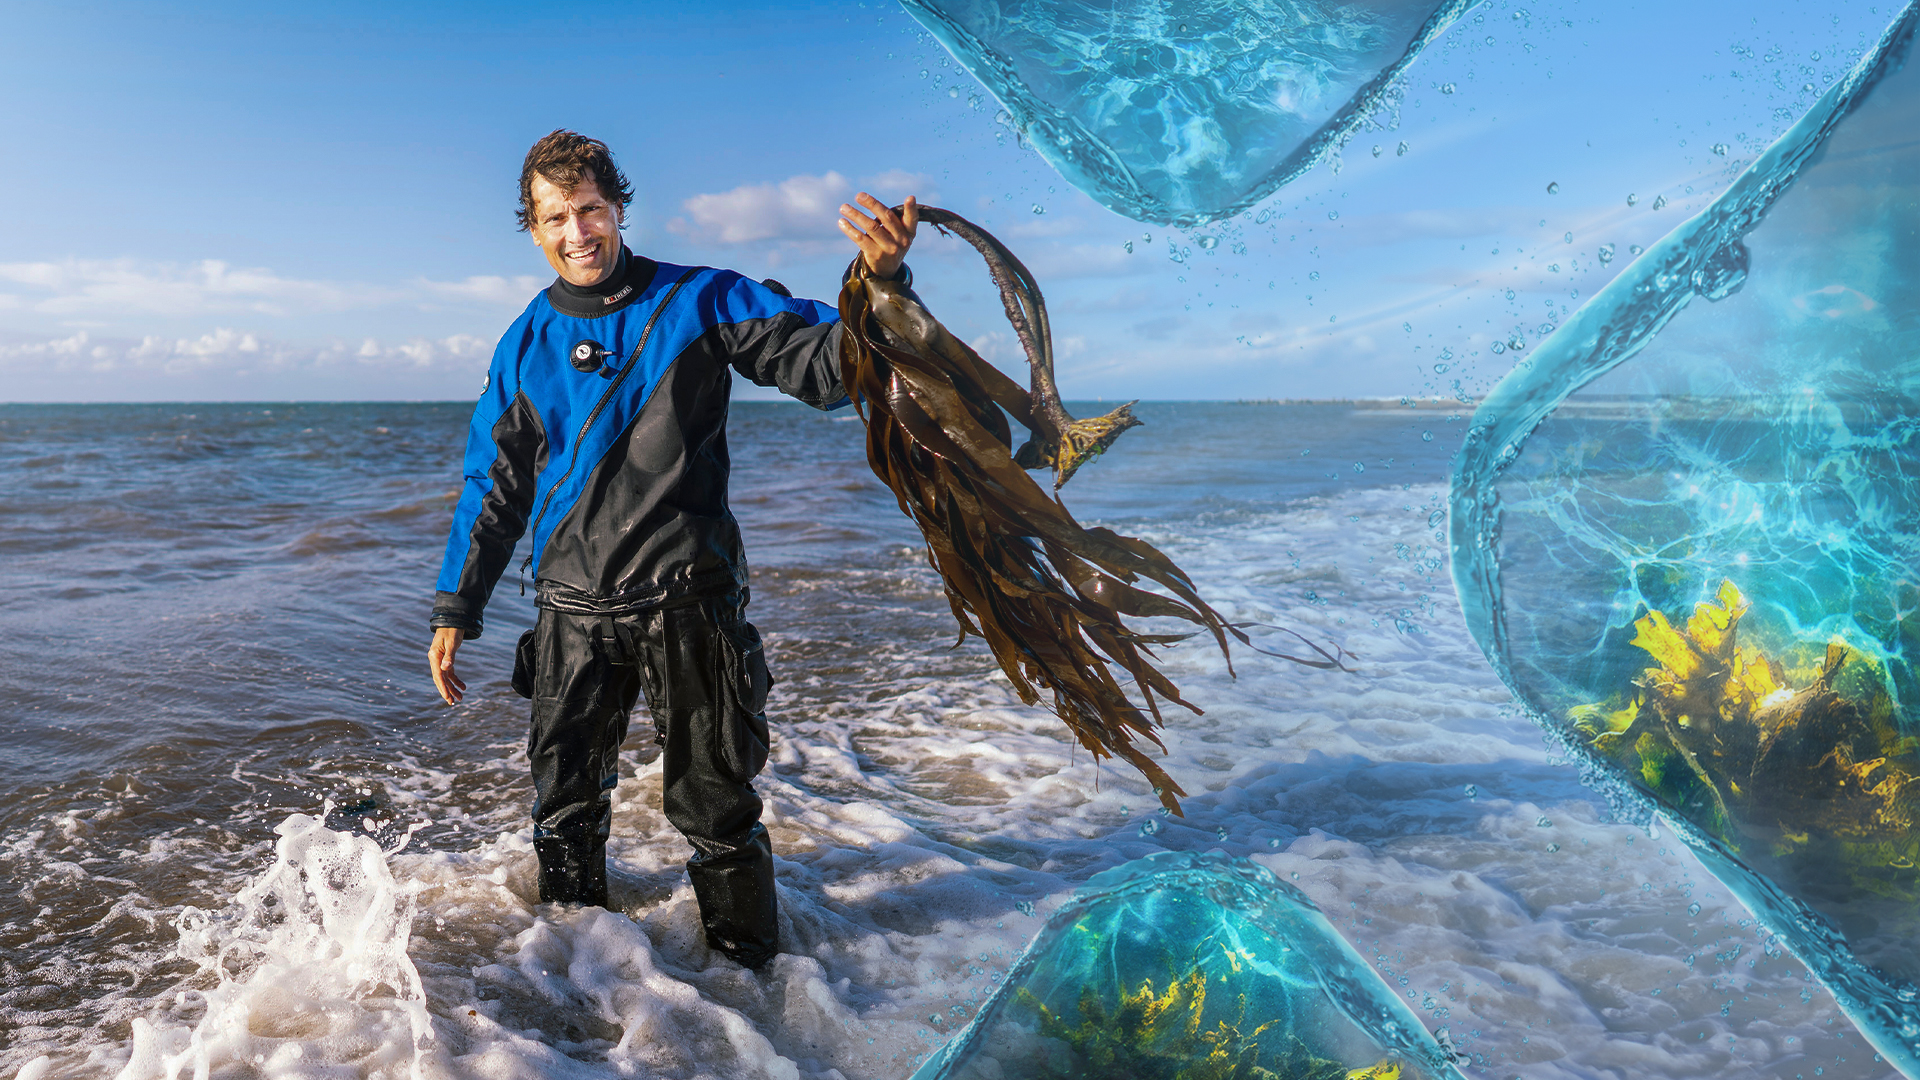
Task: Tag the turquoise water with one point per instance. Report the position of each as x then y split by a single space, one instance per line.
1254 972
1185 113
1741 405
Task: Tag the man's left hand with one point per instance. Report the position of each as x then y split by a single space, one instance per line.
883 238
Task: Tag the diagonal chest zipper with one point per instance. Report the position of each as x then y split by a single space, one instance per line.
573 461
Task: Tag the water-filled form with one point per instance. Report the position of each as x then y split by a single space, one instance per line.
1686 532
1186 111
1184 966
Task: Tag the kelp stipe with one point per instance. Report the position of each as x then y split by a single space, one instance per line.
1184 966
1687 535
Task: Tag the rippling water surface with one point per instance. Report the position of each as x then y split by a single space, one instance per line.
212 634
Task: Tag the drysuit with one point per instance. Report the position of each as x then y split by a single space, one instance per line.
601 431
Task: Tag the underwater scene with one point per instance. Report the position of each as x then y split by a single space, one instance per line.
1684 532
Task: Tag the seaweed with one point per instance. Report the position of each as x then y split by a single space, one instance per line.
1798 753
1164 1036
1048 595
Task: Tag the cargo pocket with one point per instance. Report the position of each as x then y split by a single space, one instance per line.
745 680
523 666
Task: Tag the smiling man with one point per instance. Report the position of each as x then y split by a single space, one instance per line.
601 432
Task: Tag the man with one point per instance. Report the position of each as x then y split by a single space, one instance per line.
601 430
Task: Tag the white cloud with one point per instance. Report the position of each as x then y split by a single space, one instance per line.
228 350
797 208
489 289
90 289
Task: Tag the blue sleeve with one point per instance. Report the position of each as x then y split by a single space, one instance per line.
506 445
777 340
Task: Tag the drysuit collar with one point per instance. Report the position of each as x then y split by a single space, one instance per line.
622 287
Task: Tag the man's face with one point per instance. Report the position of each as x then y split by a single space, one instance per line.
578 230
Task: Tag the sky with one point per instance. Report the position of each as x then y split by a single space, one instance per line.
274 201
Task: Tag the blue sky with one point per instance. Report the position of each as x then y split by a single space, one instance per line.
280 201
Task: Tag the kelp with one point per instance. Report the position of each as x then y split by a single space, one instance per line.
1165 1036
1719 731
1046 594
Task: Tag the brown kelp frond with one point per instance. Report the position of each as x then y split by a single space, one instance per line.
1047 594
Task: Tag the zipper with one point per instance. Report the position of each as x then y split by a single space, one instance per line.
645 332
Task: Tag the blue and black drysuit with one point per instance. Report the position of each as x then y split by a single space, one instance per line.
602 432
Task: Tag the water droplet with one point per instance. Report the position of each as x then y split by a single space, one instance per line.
1509 294
1359 466
1333 215
1553 267
1568 238
1806 88
1274 843
1720 148
1401 150
1129 246
1634 249
1183 28
1220 833
1545 823
1693 909
1633 200
953 91
1146 237
1473 791
1553 848
1426 436
1313 275
1659 202
1149 827
1553 188
1038 209
1207 243
1606 254
1024 907
1498 347
1441 369
1446 354
1448 88
1489 39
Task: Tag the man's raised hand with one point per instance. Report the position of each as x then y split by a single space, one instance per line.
884 237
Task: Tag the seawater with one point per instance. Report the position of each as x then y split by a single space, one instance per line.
244 837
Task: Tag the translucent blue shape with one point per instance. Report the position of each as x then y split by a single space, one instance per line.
1241 960
1183 112
1655 448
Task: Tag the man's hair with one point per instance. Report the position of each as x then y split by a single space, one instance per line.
566 158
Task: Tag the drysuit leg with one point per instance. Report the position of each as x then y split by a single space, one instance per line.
706 686
584 688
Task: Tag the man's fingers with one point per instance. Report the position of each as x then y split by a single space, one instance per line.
912 215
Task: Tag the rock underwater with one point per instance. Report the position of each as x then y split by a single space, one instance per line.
1181 113
1183 966
1687 535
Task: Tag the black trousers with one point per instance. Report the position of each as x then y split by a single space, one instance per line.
705 677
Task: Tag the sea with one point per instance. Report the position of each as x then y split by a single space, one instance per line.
242 836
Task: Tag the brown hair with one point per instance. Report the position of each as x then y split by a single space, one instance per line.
567 158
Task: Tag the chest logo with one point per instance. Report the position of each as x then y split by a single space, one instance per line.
617 297
587 356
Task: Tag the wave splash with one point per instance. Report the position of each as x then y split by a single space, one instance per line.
311 970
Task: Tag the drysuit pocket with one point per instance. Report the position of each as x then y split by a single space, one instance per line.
523 666
742 730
